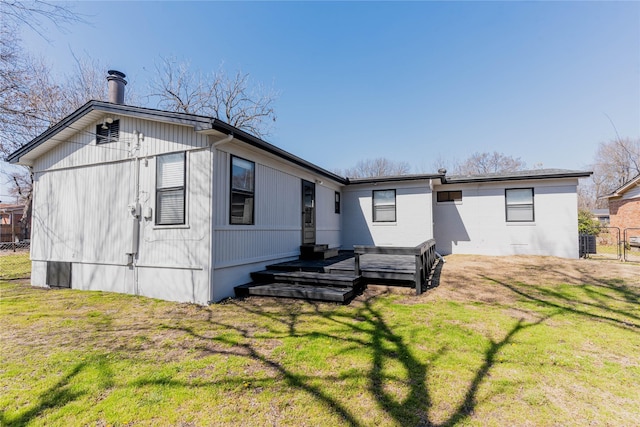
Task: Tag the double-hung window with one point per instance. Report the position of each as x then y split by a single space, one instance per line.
242 191
519 204
170 189
384 205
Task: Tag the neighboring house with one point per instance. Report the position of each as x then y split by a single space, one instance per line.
624 207
11 226
602 216
183 207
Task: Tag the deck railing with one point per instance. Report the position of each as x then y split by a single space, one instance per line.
425 255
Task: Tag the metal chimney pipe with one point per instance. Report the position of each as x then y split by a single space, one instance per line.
116 86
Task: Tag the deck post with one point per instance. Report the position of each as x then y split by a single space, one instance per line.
418 275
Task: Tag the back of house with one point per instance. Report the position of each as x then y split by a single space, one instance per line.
184 207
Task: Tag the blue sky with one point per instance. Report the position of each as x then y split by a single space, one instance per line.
411 81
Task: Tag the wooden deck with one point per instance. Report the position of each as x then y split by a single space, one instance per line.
291 290
397 268
333 279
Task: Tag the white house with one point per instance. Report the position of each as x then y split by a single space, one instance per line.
183 207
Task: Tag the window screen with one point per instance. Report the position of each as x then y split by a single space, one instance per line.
519 204
384 205
170 189
242 191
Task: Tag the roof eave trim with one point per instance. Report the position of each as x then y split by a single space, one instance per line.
272 149
635 181
519 178
382 179
200 123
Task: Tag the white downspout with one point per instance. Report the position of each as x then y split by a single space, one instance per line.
212 221
228 138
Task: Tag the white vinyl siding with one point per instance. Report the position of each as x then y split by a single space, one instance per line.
519 204
170 189
384 205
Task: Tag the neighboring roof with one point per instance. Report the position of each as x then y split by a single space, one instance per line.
10 207
624 188
93 110
600 212
519 175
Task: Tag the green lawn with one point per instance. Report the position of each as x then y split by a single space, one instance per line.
501 341
14 265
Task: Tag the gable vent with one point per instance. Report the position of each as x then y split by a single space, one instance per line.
107 132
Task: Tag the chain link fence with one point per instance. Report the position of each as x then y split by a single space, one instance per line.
612 243
14 261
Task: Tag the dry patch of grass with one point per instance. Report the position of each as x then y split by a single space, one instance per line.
500 341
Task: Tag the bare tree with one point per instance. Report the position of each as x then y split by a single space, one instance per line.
379 167
587 198
234 99
30 100
485 163
37 13
616 162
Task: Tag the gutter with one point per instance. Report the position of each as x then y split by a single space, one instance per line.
395 178
517 177
272 149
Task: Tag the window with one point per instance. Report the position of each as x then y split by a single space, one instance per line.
519 204
107 132
384 205
170 189
242 191
449 196
337 200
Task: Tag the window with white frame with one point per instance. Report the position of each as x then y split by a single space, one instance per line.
170 189
384 205
242 191
519 204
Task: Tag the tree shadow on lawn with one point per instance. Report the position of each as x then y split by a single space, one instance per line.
63 392
591 299
380 340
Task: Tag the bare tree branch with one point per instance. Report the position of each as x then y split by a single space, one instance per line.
37 13
617 162
379 167
486 163
235 100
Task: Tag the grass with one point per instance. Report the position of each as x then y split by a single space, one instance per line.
500 341
14 265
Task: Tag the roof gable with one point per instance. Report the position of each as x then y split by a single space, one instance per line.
624 188
93 111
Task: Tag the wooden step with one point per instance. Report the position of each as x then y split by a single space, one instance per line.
313 252
313 248
289 290
306 278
